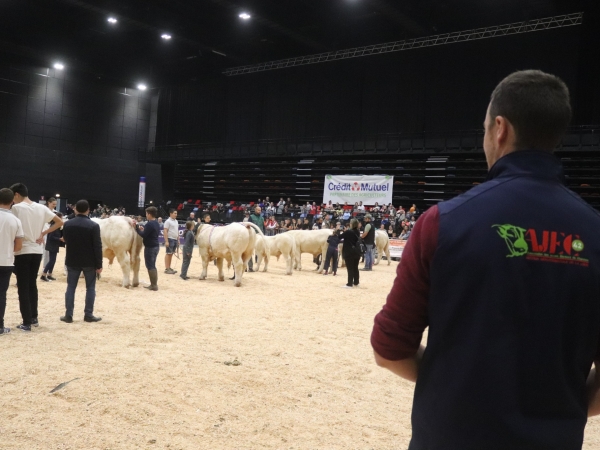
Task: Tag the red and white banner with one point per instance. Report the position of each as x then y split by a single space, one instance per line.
396 248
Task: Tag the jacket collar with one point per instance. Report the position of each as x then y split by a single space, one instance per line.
532 163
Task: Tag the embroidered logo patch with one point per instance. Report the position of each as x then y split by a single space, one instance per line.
547 246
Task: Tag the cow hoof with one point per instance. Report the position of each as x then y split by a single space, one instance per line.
221 278
135 284
126 286
237 284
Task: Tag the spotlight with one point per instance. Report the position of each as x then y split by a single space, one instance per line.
112 20
58 66
57 195
166 36
244 16
142 87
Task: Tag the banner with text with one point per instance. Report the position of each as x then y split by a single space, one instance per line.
396 248
358 188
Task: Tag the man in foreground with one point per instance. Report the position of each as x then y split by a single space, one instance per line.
84 254
33 217
511 296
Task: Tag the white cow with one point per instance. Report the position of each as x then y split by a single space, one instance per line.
281 244
233 243
382 243
120 240
310 241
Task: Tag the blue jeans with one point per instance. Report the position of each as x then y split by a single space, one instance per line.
51 262
90 289
369 257
150 254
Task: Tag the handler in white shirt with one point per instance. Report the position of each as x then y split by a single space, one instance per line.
33 216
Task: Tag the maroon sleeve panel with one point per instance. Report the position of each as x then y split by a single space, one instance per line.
400 324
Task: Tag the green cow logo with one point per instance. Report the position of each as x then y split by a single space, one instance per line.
514 238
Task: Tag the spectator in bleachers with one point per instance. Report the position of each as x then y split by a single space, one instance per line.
390 231
361 207
306 224
346 216
400 214
412 222
271 226
405 233
191 218
280 205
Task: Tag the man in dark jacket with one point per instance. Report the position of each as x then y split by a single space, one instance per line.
511 296
84 254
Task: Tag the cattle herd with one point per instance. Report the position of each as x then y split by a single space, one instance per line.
235 243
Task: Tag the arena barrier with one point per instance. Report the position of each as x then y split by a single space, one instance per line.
396 248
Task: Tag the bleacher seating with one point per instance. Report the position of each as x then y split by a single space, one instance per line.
426 172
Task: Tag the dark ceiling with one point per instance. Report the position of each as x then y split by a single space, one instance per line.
208 36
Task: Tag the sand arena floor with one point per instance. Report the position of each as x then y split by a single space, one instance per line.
153 373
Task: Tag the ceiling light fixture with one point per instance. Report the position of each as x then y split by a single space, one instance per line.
244 16
166 36
112 20
142 87
58 66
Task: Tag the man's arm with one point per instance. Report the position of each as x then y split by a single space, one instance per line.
367 229
97 246
58 222
18 244
398 329
593 390
406 368
166 235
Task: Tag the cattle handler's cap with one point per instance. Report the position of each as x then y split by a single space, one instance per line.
368 216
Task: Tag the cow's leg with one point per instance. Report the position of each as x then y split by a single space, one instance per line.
259 257
266 261
135 267
205 262
288 263
123 259
379 255
323 254
220 267
298 259
239 264
387 254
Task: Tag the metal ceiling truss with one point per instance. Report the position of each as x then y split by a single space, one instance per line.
528 26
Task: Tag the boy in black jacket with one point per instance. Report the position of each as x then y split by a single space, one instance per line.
53 243
332 252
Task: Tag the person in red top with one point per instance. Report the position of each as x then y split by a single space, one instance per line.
510 293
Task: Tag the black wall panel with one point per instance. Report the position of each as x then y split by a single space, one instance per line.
61 133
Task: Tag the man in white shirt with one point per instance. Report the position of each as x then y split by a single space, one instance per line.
360 207
11 240
171 234
33 217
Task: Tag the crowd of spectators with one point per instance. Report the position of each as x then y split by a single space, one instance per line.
286 215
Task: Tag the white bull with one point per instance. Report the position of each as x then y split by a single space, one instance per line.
281 244
310 241
382 243
120 240
233 243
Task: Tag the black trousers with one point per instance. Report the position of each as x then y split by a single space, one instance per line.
5 273
331 259
26 269
352 268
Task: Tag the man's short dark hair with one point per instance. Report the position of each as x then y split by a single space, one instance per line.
20 188
51 199
206 215
6 196
82 206
537 105
171 210
152 211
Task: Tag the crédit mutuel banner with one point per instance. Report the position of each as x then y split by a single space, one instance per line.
358 188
